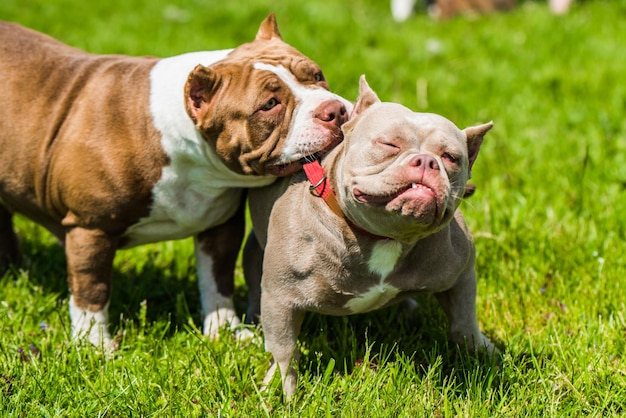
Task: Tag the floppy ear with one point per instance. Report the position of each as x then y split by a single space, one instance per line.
475 136
268 29
200 91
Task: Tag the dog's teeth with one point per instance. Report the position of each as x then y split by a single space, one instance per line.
413 186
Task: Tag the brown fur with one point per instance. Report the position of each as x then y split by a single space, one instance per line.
80 153
445 9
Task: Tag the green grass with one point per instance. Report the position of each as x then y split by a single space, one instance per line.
548 217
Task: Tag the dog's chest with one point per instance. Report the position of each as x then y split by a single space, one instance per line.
192 195
383 260
196 190
180 209
393 274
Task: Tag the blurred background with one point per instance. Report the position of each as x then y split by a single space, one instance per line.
549 213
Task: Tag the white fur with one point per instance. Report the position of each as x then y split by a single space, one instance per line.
383 260
305 134
217 310
196 189
90 325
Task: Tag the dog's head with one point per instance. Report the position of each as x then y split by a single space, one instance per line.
265 106
399 173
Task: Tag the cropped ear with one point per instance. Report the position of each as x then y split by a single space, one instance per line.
367 98
200 91
475 136
268 29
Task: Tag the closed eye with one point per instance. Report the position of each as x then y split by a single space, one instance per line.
389 146
449 157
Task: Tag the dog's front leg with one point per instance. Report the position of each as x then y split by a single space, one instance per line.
281 326
216 252
90 254
459 305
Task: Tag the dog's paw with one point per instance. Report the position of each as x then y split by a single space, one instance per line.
91 326
245 335
216 321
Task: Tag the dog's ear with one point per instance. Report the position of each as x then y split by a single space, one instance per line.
268 29
475 136
367 97
200 90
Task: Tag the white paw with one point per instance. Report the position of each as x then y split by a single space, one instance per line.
221 318
244 334
91 326
247 335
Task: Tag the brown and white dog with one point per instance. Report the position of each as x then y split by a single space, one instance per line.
109 152
375 223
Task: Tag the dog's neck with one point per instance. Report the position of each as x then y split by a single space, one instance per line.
321 187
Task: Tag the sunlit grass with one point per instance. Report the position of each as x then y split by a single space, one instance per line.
548 218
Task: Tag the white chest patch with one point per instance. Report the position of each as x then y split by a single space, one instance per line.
383 260
196 190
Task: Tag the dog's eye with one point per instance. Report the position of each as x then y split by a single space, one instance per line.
449 157
388 146
270 104
319 76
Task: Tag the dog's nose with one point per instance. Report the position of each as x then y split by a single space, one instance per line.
424 161
331 112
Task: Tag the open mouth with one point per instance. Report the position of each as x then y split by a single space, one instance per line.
411 191
292 167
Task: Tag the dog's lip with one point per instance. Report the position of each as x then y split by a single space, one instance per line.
286 169
383 199
281 170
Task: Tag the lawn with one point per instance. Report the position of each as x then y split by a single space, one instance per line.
549 220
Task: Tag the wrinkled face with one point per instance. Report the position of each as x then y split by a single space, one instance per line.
265 107
405 172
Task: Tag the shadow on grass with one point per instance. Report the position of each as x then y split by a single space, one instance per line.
383 336
367 340
168 296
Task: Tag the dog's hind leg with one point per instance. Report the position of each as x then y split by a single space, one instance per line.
9 243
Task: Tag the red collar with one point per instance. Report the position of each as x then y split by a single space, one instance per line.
321 187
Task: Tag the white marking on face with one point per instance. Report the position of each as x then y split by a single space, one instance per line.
217 310
304 135
196 190
383 260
